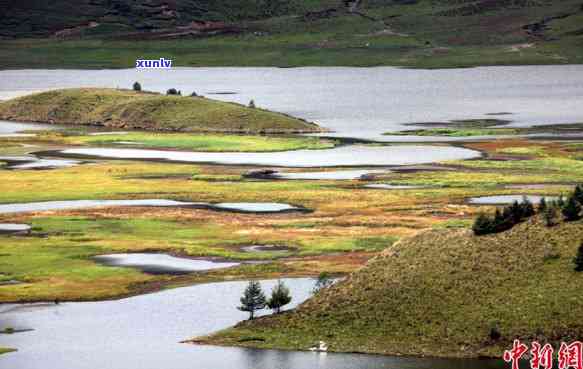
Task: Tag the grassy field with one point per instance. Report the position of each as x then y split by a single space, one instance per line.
348 226
440 293
185 141
148 111
422 34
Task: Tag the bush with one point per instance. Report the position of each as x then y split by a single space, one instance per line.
578 194
578 260
137 86
173 91
193 94
252 104
572 209
542 206
483 225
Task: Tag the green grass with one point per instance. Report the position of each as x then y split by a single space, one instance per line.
440 293
210 143
5 350
149 111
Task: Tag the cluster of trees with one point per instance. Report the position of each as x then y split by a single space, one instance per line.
513 214
254 299
172 91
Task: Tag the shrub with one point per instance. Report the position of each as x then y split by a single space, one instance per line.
193 94
324 281
572 209
173 91
578 259
578 194
483 225
137 86
542 206
252 104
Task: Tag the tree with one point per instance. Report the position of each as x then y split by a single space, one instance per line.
173 91
550 215
193 94
578 194
253 299
137 86
252 104
542 206
578 260
527 208
482 225
323 281
280 297
572 209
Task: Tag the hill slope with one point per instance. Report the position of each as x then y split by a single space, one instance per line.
148 111
440 293
417 33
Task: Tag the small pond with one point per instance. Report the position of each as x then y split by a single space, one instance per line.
330 175
507 199
160 263
32 162
386 186
14 228
240 207
347 156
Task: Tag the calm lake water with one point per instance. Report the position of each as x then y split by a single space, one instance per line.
144 331
354 102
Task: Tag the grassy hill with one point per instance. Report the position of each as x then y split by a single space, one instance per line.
147 111
415 33
441 293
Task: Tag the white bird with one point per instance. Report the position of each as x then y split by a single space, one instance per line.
322 347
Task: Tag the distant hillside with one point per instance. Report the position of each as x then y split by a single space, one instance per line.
41 18
441 293
148 111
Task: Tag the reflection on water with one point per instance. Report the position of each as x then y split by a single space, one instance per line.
353 155
143 332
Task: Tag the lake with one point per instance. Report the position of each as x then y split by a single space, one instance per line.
144 332
354 102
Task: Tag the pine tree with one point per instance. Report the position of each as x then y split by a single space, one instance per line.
542 206
253 299
482 225
578 194
137 86
578 260
527 208
280 297
572 209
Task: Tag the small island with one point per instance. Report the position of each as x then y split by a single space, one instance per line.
150 111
